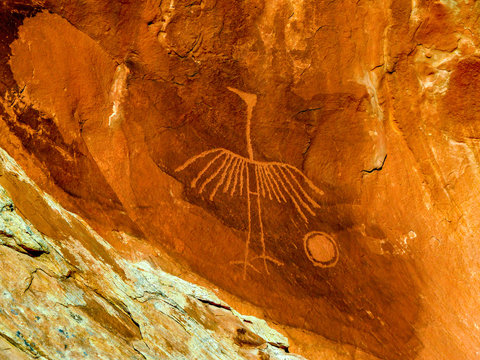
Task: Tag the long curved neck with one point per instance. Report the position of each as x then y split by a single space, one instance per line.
251 101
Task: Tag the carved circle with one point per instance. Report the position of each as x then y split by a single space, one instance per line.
321 249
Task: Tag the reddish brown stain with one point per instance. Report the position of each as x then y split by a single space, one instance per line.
437 31
460 106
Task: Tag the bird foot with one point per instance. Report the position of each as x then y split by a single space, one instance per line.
266 258
248 264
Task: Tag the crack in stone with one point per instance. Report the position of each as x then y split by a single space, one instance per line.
378 168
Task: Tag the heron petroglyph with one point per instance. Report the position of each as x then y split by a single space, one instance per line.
231 173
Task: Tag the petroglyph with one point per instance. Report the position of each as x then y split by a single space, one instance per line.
276 181
232 174
321 249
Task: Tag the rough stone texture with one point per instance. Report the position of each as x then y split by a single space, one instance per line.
69 295
357 150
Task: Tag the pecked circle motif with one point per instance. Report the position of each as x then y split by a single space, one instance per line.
321 249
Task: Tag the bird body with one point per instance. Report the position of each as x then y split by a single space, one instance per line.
226 171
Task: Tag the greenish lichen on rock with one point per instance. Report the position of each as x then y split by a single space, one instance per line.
17 232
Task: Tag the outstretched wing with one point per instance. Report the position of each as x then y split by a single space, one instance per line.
226 171
285 183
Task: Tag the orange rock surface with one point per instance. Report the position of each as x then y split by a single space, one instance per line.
315 161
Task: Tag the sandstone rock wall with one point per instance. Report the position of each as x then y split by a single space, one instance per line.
315 159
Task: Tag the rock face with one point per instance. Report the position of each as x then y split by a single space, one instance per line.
316 161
